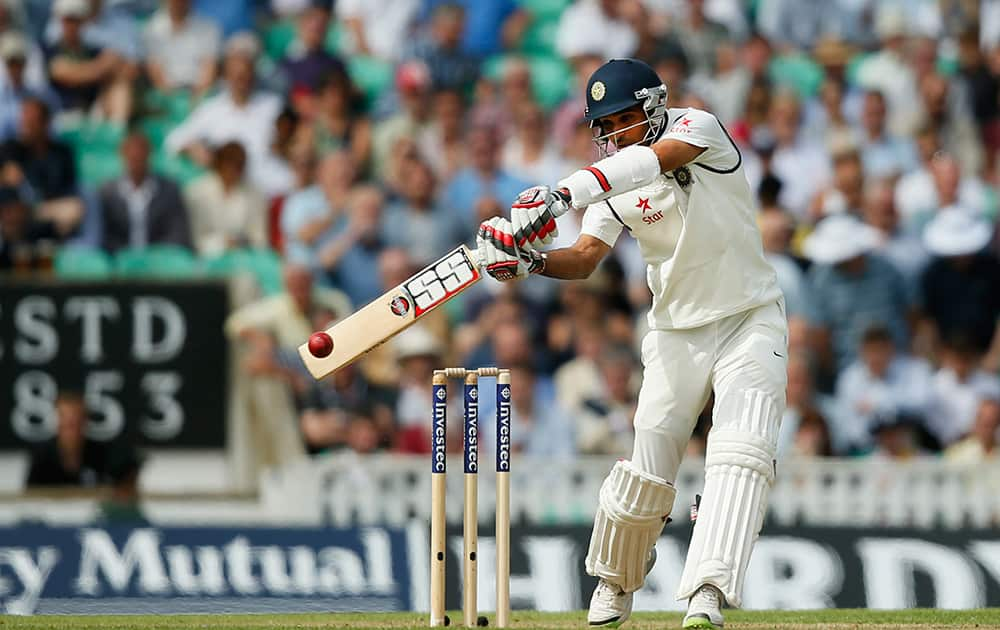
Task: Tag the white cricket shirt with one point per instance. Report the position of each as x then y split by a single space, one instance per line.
696 229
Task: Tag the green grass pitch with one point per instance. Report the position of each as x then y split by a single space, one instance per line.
523 620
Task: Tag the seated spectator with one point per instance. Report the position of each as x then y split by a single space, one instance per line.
538 426
42 169
264 333
776 234
958 388
85 74
938 184
807 426
349 258
227 211
339 122
443 144
491 26
302 163
528 153
961 285
580 376
108 24
595 27
377 29
880 383
982 442
852 289
182 49
121 506
21 235
239 113
904 250
419 353
420 224
313 217
440 48
142 208
15 89
307 63
800 163
69 458
897 436
883 153
339 411
35 74
484 178
959 135
277 176
411 121
846 191
604 418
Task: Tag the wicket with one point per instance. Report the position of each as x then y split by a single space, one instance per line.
470 520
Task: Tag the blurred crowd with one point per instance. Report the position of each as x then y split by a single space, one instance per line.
362 140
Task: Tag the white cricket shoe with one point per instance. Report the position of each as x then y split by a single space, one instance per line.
610 606
704 609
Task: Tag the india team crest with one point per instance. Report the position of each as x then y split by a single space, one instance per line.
683 177
597 90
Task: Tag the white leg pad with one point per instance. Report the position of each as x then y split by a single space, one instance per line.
632 509
739 472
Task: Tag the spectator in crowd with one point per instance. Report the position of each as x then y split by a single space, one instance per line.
340 123
42 169
307 63
312 217
264 334
441 49
905 251
982 442
419 223
277 176
852 289
121 506
603 419
413 87
961 286
528 153
377 29
35 74
846 192
880 383
595 27
85 75
349 258
959 135
491 26
342 411
302 163
897 436
444 145
69 458
239 113
419 352
580 376
20 234
887 70
107 25
484 178
227 211
15 89
142 208
884 154
182 49
776 235
807 427
800 165
700 36
979 81
958 388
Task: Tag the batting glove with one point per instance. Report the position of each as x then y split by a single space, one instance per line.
534 215
498 255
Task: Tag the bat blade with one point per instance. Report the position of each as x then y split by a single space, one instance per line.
395 311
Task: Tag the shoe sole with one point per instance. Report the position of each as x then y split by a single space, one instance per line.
615 623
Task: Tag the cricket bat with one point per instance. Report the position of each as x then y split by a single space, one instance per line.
395 311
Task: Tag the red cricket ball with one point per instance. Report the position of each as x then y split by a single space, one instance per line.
320 344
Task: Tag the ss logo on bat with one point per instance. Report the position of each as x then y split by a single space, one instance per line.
438 281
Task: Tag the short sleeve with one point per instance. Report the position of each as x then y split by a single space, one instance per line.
701 129
601 223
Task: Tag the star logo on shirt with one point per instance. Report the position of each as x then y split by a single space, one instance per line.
684 122
644 204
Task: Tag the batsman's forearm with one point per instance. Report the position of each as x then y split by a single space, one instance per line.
567 264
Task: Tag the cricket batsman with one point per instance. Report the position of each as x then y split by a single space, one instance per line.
672 178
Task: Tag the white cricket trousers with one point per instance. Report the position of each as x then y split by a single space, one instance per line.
741 353
743 358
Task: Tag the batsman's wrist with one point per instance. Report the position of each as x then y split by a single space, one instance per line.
538 263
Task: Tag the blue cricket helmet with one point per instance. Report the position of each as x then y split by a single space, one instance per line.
623 83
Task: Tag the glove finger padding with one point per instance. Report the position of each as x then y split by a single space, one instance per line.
498 254
533 216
